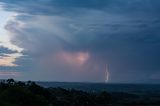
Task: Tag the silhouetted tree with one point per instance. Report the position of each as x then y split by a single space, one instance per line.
10 81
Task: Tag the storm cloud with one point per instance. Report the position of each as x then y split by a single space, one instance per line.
73 40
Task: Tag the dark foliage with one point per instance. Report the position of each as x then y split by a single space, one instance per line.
13 93
17 93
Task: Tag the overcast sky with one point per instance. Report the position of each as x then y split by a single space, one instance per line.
79 40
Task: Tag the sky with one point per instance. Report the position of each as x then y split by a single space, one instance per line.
113 41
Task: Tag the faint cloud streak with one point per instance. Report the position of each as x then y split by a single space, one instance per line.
10 73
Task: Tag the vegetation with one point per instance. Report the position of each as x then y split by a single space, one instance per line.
17 93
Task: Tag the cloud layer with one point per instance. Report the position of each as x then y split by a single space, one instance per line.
74 40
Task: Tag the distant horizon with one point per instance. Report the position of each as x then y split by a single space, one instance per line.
78 82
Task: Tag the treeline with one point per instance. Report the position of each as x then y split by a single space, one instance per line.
17 93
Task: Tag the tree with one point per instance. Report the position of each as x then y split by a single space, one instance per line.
10 81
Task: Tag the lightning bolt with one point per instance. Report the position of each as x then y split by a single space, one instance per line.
107 74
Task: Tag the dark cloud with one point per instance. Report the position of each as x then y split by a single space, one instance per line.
123 33
53 7
4 50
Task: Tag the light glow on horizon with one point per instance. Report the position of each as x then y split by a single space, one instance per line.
9 59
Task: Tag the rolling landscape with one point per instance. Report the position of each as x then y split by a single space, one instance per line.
79 53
